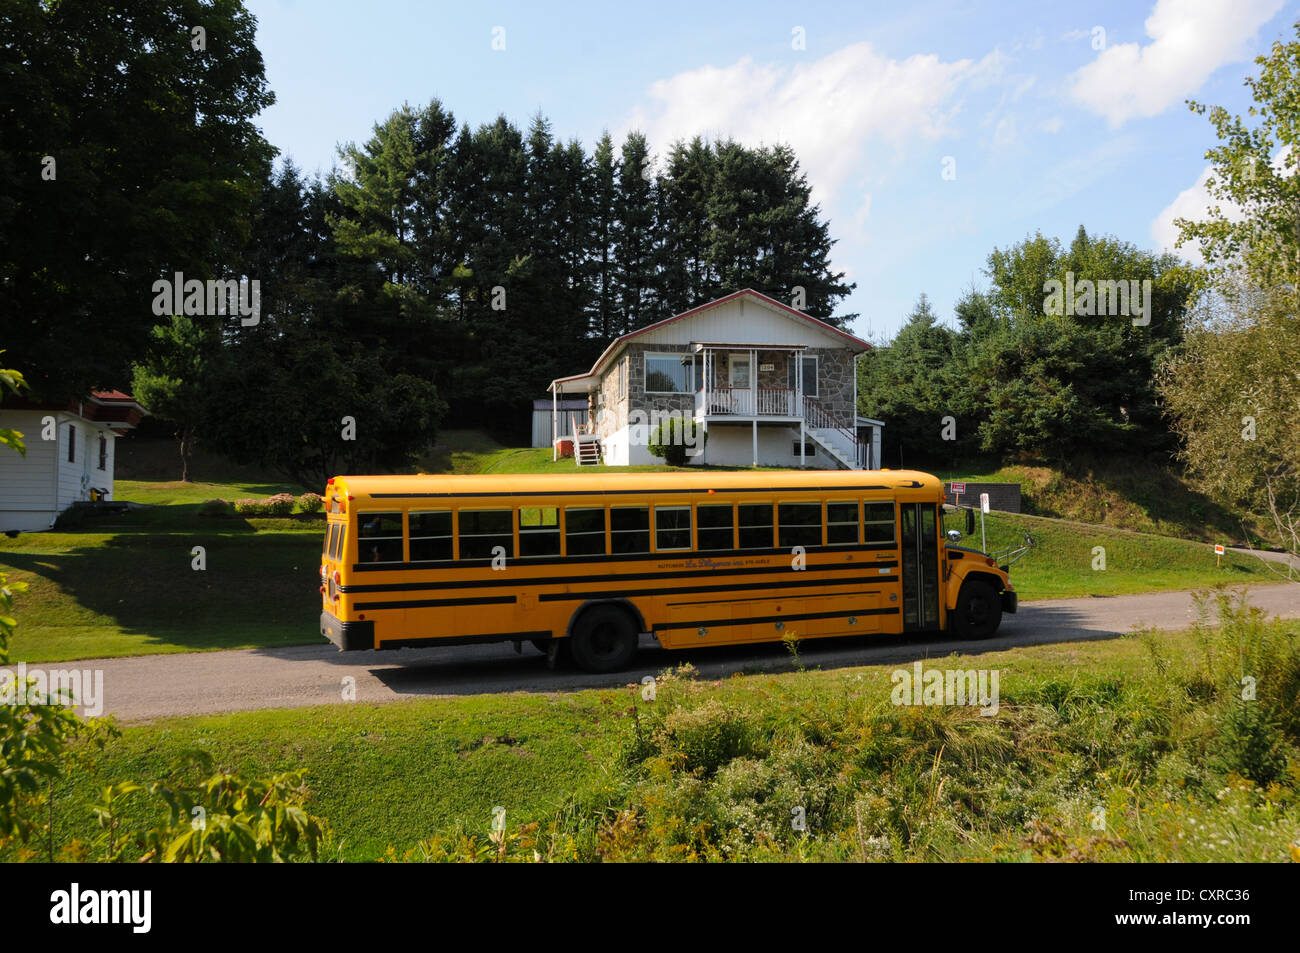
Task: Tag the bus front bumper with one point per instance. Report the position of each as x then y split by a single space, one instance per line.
1010 600
348 636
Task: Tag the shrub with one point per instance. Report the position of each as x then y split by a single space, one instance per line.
671 440
214 508
310 503
250 507
279 505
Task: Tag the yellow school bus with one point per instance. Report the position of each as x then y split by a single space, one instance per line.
584 564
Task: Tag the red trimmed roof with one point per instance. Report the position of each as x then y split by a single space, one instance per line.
750 292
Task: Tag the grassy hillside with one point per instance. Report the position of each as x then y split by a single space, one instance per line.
1147 730
1136 494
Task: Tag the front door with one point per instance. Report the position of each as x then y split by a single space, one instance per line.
920 569
738 371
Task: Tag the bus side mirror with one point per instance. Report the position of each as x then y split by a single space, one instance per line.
970 522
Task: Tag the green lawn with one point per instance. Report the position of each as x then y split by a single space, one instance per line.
123 584
1139 726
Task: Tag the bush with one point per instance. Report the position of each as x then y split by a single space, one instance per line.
214 508
671 440
279 505
310 503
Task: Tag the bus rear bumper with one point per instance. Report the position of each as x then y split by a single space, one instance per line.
1010 600
348 636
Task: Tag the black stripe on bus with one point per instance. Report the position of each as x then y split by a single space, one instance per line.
426 641
449 564
800 617
471 494
567 596
435 603
787 596
511 580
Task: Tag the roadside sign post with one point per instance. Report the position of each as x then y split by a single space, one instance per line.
957 490
1218 554
984 508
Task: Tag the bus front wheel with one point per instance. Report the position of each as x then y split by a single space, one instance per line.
979 610
604 639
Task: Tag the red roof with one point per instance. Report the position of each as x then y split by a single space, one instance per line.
793 312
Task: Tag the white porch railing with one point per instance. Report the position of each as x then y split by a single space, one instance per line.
746 402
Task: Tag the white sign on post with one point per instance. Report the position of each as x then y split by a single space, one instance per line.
984 502
1218 550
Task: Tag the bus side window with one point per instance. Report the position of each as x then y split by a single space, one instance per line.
841 523
800 524
539 531
331 530
379 537
878 524
336 551
756 526
481 531
430 535
716 530
672 527
584 531
629 529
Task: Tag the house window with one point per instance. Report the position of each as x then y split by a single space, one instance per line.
103 452
622 378
72 443
809 374
669 373
810 449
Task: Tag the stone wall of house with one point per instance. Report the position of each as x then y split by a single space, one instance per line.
650 403
835 369
612 398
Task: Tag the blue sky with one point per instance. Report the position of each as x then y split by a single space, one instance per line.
1050 115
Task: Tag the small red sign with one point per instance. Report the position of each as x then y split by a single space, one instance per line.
1218 549
957 487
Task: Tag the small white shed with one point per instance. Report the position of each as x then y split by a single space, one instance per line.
70 452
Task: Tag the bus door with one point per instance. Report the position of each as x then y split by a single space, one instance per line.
919 555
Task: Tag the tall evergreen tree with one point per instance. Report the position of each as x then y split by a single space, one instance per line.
635 235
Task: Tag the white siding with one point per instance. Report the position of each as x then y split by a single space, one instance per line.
27 482
743 321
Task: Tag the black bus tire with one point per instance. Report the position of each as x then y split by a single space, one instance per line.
979 610
604 639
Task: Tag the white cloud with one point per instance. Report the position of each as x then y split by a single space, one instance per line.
1053 125
829 110
1191 203
1194 203
1190 39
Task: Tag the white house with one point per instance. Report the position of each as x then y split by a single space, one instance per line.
772 386
70 452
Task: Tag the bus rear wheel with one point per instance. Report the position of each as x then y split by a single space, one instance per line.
979 610
604 639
